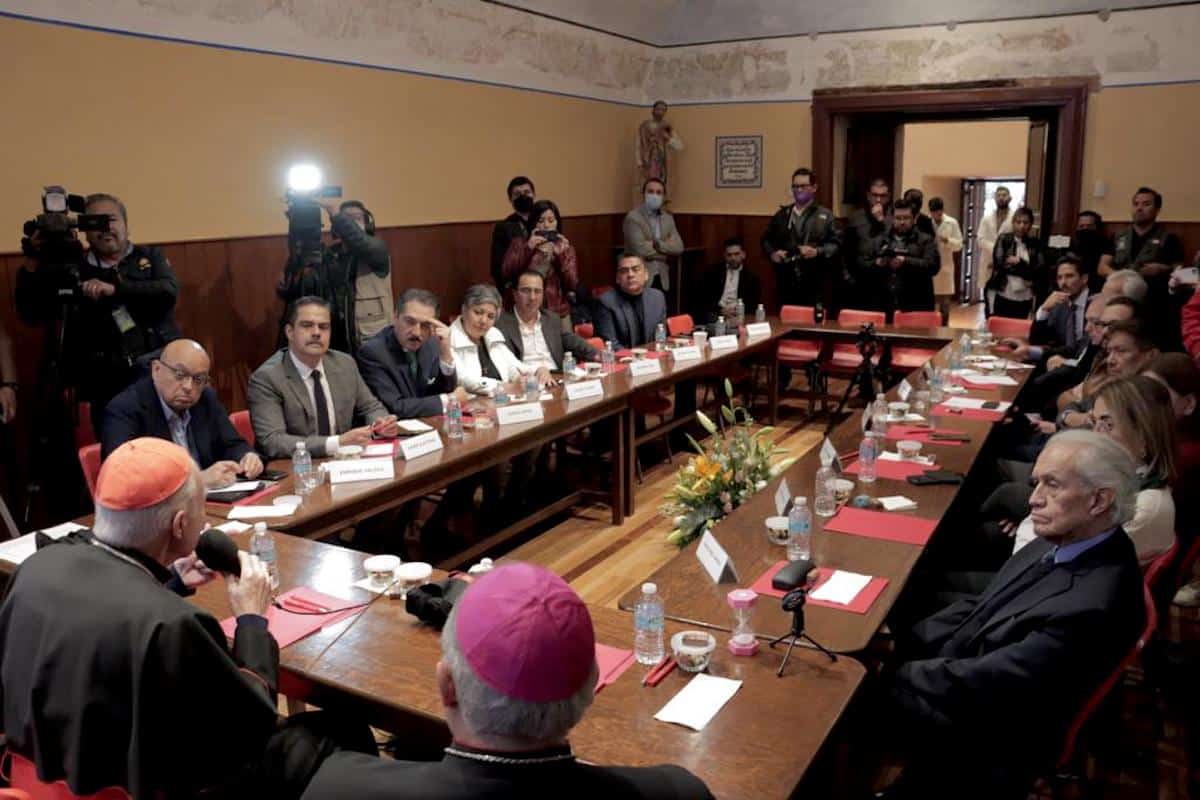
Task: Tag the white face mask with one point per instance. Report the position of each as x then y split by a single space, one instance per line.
654 201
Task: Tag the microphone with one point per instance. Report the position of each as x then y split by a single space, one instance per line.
219 552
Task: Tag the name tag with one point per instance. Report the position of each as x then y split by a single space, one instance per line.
782 495
758 329
647 366
522 412
829 456
415 446
582 389
715 560
724 342
689 353
904 390
365 469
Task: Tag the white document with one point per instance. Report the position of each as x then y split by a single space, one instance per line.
897 502
904 390
363 469
992 380
841 588
21 548
974 402
521 412
782 495
645 366
723 342
1019 365
260 512
698 702
689 353
758 329
412 426
379 450
233 527
417 446
584 389
714 559
888 455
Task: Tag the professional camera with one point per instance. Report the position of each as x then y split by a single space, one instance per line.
866 341
432 602
50 236
304 212
893 248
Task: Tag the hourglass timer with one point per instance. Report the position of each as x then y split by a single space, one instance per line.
742 642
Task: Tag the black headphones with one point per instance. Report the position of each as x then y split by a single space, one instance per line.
368 217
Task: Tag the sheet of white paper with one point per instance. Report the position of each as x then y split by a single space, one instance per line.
260 512
888 455
365 583
841 588
993 380
240 486
21 548
233 527
1019 365
412 426
379 450
954 389
544 396
698 702
965 402
897 503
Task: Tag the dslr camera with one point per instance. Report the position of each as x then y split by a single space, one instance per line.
304 221
49 238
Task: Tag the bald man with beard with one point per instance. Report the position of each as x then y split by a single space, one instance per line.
176 402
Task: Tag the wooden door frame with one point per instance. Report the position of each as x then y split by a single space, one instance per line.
1066 99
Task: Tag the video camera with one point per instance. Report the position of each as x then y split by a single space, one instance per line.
866 341
304 221
49 238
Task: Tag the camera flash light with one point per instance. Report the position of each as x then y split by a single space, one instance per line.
304 177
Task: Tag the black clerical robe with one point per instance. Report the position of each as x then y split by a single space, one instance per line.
456 777
108 678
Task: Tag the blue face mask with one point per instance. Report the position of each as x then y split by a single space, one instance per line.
654 201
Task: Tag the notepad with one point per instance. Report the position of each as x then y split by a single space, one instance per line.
412 426
233 527
697 703
841 588
897 503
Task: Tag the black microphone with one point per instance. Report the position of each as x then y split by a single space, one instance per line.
219 552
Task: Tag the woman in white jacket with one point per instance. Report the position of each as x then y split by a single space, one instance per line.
481 358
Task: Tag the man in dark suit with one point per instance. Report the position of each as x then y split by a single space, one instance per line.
902 263
994 681
725 283
521 195
409 365
535 336
175 402
309 393
628 315
1059 323
518 672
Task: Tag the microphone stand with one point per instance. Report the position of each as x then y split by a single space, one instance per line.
794 601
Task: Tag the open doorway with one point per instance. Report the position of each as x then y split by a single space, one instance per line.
978 199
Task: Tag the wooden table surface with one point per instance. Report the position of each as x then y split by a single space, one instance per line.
690 596
381 665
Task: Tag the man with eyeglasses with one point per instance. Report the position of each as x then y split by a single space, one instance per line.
862 228
176 402
802 242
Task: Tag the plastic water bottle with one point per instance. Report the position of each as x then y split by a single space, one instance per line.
964 348
868 450
719 329
533 388
937 388
608 359
262 544
660 337
760 314
454 428
799 530
302 469
568 366
648 626
879 415
741 313
500 396
824 502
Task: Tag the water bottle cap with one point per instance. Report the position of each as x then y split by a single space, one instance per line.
301 445
260 527
799 502
649 588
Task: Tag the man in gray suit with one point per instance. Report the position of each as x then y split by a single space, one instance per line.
650 232
536 337
309 393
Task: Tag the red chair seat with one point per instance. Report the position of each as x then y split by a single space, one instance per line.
241 423
89 460
677 326
1007 326
798 352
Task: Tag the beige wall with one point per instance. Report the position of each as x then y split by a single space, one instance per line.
1143 136
197 140
960 150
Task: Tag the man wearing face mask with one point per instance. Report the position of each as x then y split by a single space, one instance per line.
802 242
521 195
650 232
123 310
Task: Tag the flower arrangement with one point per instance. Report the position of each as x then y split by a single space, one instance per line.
737 463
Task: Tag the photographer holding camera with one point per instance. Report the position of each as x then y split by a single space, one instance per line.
353 273
903 262
802 242
115 302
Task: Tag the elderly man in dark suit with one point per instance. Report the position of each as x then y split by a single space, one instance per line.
309 393
535 337
409 365
175 402
628 315
995 680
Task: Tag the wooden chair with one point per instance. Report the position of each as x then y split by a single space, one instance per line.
680 325
241 424
1008 326
89 460
906 359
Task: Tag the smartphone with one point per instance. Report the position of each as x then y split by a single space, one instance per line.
991 405
266 475
549 236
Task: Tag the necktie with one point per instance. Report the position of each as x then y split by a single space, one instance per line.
321 404
1072 335
412 364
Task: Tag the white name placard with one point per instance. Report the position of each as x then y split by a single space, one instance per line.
362 469
829 456
646 366
581 389
714 559
416 446
689 353
904 390
782 495
758 329
723 342
522 412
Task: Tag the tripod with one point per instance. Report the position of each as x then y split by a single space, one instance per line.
864 376
794 601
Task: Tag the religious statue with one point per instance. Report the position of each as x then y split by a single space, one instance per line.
655 135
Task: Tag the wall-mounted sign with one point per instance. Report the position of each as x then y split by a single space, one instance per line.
739 162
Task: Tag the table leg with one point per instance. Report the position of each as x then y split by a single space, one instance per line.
619 486
630 467
773 383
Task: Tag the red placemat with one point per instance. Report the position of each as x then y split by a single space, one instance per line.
612 663
859 605
289 627
890 526
920 434
892 470
989 414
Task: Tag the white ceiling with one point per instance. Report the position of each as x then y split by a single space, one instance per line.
683 22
